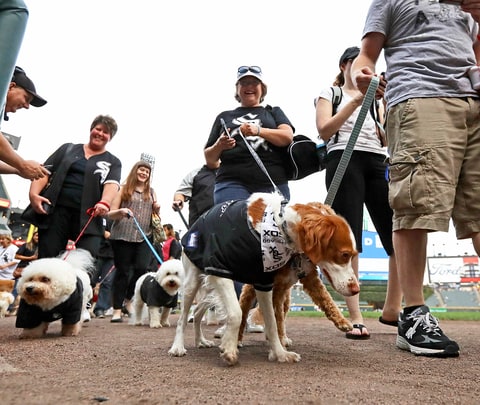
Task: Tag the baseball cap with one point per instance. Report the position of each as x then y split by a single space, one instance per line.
350 53
21 79
244 71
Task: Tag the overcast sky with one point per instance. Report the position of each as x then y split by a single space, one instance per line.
164 70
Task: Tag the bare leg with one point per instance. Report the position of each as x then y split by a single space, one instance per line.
411 267
353 305
393 299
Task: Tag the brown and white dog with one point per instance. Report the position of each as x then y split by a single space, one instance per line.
301 269
239 240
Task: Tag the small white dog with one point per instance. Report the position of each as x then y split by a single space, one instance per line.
159 292
53 289
6 299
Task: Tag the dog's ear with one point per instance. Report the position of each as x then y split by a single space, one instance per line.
315 233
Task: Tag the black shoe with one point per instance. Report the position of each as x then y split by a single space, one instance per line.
99 313
420 334
116 320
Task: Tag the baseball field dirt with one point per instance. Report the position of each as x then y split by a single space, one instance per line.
126 364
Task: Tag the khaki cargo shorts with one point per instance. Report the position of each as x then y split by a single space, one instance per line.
434 147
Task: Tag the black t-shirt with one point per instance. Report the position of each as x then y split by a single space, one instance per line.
238 164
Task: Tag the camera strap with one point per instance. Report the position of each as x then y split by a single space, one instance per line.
260 164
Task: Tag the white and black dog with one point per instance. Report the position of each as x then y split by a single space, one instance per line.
159 292
52 289
249 241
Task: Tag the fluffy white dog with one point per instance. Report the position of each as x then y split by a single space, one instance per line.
6 299
53 289
159 292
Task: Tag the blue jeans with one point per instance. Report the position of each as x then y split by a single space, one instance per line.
106 273
232 190
13 22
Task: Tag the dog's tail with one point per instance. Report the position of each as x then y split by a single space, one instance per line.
80 259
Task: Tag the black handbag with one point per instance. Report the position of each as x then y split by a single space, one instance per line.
50 191
305 157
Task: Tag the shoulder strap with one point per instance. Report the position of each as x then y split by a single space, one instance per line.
336 100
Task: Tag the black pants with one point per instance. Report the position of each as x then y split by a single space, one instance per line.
132 259
64 226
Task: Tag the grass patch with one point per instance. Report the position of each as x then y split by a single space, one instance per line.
449 316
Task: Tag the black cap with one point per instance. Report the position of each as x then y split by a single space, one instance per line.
21 79
350 53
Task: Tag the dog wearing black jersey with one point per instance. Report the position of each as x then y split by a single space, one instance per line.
158 291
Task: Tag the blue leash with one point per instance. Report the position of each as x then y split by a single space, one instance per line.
152 248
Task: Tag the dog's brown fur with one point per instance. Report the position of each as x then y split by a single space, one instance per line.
308 276
284 280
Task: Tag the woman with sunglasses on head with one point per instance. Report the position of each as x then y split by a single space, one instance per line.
267 130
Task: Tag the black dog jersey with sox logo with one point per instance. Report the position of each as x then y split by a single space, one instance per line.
223 243
69 311
154 295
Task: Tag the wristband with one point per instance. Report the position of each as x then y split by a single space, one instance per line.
258 130
478 37
104 204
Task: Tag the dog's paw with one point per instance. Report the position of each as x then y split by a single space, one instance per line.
231 358
284 357
166 324
138 323
286 341
204 343
344 325
177 351
155 325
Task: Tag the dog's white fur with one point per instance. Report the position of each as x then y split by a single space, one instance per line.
342 278
6 299
49 282
170 277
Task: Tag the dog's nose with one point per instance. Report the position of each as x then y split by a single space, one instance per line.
354 287
29 289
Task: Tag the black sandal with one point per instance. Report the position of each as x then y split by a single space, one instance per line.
361 327
389 323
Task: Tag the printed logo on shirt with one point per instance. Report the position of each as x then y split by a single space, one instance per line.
103 170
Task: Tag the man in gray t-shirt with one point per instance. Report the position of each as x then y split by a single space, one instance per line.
433 132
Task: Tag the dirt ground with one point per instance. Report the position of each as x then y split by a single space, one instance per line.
126 364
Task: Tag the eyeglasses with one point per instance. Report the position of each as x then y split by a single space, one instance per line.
253 69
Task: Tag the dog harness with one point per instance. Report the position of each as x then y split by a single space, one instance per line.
223 243
69 311
154 295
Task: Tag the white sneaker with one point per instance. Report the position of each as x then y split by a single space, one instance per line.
212 317
86 315
220 331
109 311
252 327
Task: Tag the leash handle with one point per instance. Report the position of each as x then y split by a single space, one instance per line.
152 248
347 153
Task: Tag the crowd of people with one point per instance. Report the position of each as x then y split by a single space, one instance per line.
413 176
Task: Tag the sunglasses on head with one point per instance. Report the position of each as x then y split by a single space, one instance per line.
253 69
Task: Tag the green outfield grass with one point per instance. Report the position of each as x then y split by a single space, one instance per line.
451 316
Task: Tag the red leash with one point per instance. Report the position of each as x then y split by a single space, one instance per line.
90 212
